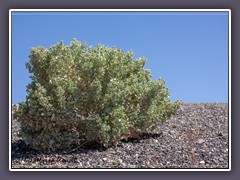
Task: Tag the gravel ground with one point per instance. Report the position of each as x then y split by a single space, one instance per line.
196 137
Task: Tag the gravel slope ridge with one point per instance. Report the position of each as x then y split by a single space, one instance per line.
196 137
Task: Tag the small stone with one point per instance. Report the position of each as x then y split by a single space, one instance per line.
174 126
88 164
136 155
200 141
104 159
123 164
202 151
80 164
202 162
132 166
221 159
120 160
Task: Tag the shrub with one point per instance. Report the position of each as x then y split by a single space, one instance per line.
97 94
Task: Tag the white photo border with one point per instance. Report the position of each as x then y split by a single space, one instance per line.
119 10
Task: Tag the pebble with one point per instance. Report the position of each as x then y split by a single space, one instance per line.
202 162
221 159
119 160
200 141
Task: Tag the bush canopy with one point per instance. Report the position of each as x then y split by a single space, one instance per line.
81 93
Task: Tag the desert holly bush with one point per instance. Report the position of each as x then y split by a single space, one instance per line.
97 94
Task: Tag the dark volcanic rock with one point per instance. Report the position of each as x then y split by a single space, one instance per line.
196 137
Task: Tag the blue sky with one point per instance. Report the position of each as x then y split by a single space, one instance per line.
188 49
